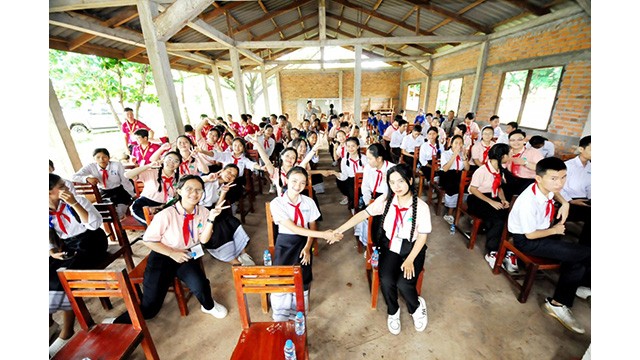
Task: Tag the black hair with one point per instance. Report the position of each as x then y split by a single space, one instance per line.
203 115
433 128
417 128
142 133
550 163
401 122
517 131
397 118
215 130
407 175
128 109
53 180
333 117
179 184
357 141
268 126
537 140
344 124
462 127
494 117
428 114
177 175
497 152
282 117
51 165
296 142
513 124
101 151
377 150
297 170
470 116
188 128
331 106
584 142
219 118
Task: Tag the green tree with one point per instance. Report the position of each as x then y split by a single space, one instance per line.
80 79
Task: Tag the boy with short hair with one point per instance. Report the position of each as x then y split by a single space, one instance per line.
531 221
142 151
396 140
409 143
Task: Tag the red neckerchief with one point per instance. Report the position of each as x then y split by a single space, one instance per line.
513 165
434 151
379 178
186 227
354 165
105 176
398 218
485 152
297 214
235 159
457 162
167 183
497 180
184 167
266 143
60 215
550 208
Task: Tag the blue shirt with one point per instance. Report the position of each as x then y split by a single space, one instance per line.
419 119
373 121
382 127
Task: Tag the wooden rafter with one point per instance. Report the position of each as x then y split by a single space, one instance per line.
366 21
120 18
271 14
459 12
452 15
264 8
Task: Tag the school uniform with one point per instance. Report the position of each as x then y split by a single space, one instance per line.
578 186
497 134
130 128
519 176
480 152
141 156
450 179
395 246
396 141
345 180
268 144
289 245
473 130
68 233
533 211
427 152
548 149
178 230
382 128
188 167
153 193
229 237
113 185
409 145
374 185
488 180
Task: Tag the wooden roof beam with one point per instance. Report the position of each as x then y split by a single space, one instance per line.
453 16
72 5
176 16
117 20
271 14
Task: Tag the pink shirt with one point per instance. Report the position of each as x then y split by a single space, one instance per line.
390 130
142 156
533 156
130 129
483 179
166 227
150 190
478 150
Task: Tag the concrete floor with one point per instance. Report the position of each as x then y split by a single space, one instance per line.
472 313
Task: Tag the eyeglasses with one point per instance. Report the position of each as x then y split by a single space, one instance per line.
191 190
171 160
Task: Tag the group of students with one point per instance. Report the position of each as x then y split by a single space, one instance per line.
195 184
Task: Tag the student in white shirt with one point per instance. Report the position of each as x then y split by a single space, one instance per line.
428 150
296 216
76 241
546 147
532 221
410 142
109 177
504 137
403 245
396 140
453 162
494 121
577 189
351 164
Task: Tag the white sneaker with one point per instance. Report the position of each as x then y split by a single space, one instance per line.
334 163
420 319
449 219
246 260
344 201
56 346
393 323
510 262
564 315
583 292
218 310
491 258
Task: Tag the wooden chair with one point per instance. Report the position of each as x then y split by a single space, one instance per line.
103 341
463 209
247 194
532 264
265 340
254 155
112 226
88 190
434 165
129 222
372 273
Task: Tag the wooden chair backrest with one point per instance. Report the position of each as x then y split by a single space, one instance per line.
416 157
253 154
265 280
113 227
435 166
357 184
80 284
88 190
309 186
465 180
138 186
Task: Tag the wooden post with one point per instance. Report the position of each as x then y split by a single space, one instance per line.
216 80
480 68
265 89
237 77
56 119
357 86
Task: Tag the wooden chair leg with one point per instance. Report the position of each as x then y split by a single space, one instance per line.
420 184
180 297
419 283
264 303
477 222
530 277
106 303
502 251
314 247
375 283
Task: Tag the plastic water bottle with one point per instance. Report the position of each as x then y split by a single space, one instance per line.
289 350
267 258
452 229
374 258
299 322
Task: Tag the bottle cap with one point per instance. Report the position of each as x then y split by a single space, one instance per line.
299 314
289 343
266 251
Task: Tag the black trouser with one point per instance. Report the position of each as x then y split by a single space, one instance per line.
117 195
392 279
90 249
159 275
136 208
493 219
575 263
514 185
582 213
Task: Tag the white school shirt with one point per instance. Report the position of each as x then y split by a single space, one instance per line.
548 149
409 143
497 132
403 230
211 194
71 225
349 167
268 146
396 139
528 212
427 151
503 138
372 176
446 156
227 158
115 176
578 184
281 209
166 227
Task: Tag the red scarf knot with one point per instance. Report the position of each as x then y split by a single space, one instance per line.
60 215
398 219
297 214
186 228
